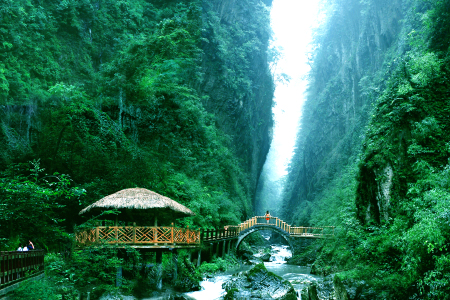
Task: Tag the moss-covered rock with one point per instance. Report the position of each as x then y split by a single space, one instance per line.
259 283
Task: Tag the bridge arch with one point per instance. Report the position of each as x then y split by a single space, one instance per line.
243 234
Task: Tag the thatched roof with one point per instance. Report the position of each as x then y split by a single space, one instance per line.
139 199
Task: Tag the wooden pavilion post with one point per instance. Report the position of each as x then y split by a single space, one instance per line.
223 247
97 232
155 236
187 232
116 230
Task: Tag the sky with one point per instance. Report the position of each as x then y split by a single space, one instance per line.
292 22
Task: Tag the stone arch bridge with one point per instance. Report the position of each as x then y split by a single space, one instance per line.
236 234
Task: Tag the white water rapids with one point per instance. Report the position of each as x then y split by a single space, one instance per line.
298 276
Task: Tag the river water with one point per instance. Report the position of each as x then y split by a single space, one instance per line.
298 276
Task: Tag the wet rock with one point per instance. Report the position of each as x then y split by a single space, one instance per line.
301 260
309 293
255 260
333 288
265 257
245 255
339 288
258 283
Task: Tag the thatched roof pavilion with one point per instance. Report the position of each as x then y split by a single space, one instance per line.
140 204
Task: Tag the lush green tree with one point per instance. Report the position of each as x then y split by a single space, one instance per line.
32 206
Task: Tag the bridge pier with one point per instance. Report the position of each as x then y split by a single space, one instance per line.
217 249
158 269
223 248
119 276
175 264
199 257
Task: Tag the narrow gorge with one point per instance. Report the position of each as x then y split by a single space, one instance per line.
340 118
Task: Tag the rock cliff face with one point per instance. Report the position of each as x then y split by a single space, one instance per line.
373 152
237 76
348 71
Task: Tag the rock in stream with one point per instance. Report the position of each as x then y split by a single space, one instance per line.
258 283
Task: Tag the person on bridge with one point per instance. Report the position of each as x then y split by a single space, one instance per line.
267 217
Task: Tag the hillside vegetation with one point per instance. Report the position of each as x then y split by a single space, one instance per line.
373 152
98 96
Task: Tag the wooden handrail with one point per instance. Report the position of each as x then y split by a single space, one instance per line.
16 265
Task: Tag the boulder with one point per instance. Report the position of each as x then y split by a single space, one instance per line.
245 255
265 257
258 283
309 293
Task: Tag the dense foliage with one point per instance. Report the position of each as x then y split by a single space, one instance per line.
373 153
173 96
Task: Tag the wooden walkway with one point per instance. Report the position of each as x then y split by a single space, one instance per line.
174 237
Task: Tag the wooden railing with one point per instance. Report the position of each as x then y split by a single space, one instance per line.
326 231
18 265
220 234
138 235
147 235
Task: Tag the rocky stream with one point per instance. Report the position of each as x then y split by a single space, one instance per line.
266 276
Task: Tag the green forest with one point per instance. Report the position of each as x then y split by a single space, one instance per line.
176 96
98 96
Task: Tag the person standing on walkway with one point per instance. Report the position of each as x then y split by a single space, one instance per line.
267 217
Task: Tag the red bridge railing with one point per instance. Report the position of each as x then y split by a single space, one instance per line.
16 265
